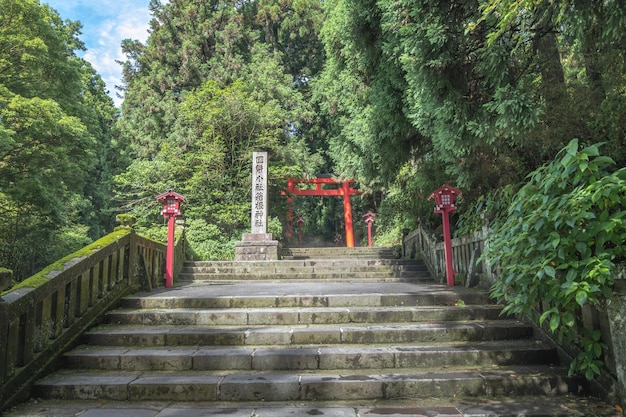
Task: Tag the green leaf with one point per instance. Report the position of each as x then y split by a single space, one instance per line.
581 297
597 350
555 321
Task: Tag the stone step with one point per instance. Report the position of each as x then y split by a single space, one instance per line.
414 269
198 358
265 295
305 316
304 265
268 272
163 335
493 406
288 386
338 252
348 270
295 279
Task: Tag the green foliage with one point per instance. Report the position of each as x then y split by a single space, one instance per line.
472 93
198 105
207 241
275 227
488 209
55 121
559 243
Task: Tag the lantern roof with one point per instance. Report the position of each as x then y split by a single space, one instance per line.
444 189
171 194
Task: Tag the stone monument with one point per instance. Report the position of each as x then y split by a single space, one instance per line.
258 245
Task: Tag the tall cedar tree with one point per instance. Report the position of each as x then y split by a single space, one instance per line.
214 82
475 93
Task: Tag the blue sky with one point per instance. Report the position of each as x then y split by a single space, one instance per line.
105 24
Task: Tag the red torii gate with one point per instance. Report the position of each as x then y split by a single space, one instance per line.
345 190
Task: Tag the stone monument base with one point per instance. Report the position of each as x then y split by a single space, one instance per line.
256 247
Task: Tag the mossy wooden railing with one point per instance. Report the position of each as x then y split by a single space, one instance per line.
41 317
609 319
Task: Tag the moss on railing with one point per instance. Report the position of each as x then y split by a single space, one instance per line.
59 266
44 315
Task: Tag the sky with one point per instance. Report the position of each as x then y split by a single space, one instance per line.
105 24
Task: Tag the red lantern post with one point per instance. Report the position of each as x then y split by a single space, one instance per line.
444 204
369 219
171 209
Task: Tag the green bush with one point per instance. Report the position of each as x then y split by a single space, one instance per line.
275 227
207 242
559 245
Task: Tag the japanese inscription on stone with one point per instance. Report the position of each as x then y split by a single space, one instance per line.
259 192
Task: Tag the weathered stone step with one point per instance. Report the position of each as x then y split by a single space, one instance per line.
309 315
355 280
288 386
274 266
160 335
338 252
298 270
338 276
269 271
218 297
197 358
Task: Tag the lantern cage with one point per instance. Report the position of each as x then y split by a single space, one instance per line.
171 204
369 217
444 197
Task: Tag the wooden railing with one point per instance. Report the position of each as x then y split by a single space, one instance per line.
44 315
466 252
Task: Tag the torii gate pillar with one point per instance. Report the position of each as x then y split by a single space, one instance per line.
345 190
347 214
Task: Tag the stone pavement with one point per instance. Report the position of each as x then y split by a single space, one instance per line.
500 407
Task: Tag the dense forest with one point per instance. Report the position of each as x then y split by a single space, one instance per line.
400 95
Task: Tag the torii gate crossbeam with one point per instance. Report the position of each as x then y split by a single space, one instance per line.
345 190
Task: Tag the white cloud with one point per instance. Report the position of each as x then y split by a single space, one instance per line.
105 24
127 25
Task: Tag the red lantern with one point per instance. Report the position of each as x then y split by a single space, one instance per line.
444 203
171 203
171 209
368 218
444 198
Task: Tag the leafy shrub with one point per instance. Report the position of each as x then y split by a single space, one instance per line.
275 227
207 242
559 245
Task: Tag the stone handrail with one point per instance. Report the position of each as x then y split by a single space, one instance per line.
44 315
609 319
466 252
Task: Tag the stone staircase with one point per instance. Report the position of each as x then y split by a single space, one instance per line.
343 337
339 253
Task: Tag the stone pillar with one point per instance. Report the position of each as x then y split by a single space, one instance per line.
258 245
259 193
